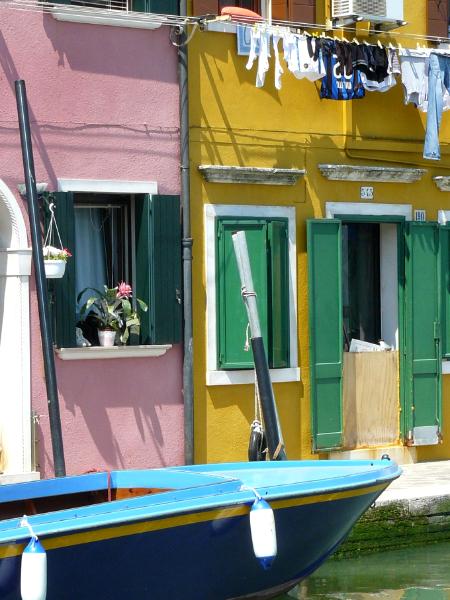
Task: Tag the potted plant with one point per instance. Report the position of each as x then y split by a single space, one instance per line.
113 312
55 261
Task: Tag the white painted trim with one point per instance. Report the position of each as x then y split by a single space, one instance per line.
14 262
19 239
107 186
248 376
19 477
389 292
364 208
17 420
101 352
98 16
211 212
220 26
388 258
443 217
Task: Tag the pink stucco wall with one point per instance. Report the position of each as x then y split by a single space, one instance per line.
103 104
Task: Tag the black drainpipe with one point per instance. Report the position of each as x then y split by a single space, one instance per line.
188 386
41 284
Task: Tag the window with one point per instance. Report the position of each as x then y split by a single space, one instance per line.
361 282
267 241
438 18
169 7
407 259
120 237
301 11
270 235
102 230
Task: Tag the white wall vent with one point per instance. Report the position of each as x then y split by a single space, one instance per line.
368 10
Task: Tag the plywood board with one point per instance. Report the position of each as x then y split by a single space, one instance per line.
370 399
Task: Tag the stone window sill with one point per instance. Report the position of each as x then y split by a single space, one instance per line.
100 16
101 353
248 376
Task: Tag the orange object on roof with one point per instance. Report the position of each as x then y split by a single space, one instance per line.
237 11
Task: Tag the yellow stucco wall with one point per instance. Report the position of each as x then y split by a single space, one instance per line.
234 123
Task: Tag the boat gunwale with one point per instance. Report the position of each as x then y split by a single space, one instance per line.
151 508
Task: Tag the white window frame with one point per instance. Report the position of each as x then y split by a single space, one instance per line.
234 377
388 258
110 186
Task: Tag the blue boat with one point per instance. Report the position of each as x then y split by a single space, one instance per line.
183 532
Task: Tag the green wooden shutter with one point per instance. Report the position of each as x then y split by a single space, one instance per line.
279 294
422 361
158 267
166 7
445 287
231 312
63 290
325 326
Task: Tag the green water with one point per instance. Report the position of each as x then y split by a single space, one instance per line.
408 574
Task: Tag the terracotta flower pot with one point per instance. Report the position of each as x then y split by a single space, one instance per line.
106 337
54 269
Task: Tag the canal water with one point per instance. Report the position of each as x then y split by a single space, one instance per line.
408 574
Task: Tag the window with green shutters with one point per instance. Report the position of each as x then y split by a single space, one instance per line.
445 285
267 241
421 282
140 242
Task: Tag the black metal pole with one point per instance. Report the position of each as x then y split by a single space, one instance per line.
275 442
272 426
41 285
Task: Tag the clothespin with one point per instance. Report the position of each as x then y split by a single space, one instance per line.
380 45
391 46
400 46
355 41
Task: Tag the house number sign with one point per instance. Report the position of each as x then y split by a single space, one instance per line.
366 192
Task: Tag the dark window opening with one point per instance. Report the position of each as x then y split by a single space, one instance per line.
102 237
361 282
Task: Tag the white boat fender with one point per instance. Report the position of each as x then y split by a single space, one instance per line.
264 535
33 573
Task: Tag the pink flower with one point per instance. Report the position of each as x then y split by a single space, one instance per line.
124 290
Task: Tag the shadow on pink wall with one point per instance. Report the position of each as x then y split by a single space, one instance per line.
109 405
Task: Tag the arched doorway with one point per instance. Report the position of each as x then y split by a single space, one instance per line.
15 396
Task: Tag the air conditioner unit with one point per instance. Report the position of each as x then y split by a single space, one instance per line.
368 10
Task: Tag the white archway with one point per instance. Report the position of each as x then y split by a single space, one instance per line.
15 395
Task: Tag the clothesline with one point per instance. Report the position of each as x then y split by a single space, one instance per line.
293 25
347 70
279 30
178 20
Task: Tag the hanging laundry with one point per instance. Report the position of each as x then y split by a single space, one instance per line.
344 55
338 84
259 48
438 83
276 37
414 67
303 57
393 69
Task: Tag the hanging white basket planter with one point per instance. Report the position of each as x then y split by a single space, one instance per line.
54 269
54 258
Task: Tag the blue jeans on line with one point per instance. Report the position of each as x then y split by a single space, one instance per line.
438 79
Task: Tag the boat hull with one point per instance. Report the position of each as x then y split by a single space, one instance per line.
199 554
